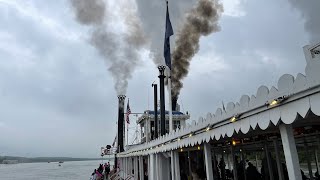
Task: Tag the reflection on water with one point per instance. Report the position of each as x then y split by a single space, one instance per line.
50 171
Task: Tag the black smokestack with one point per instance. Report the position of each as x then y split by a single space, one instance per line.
174 103
162 103
155 92
121 99
202 20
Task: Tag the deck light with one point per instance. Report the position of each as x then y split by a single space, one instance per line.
190 134
179 139
181 150
240 150
208 128
235 117
199 148
234 142
277 101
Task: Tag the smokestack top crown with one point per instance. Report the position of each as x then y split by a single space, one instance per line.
162 68
121 97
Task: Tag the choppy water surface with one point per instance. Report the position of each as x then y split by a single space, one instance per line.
80 170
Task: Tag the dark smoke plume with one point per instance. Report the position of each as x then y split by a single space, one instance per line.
153 16
310 12
202 20
89 12
120 49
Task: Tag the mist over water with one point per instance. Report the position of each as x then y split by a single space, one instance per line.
80 170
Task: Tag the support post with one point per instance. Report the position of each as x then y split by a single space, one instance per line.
172 154
136 172
290 151
152 173
268 156
177 165
162 101
208 160
316 159
141 168
170 103
125 172
279 165
189 163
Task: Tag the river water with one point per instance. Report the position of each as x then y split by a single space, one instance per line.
80 170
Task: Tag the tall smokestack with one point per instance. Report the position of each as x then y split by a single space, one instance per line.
121 99
174 103
155 86
162 103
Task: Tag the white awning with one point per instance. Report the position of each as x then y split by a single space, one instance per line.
303 96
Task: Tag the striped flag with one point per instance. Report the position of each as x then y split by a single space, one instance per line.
128 113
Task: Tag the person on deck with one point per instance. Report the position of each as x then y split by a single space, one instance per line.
252 172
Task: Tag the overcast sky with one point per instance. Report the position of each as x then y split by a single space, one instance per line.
57 97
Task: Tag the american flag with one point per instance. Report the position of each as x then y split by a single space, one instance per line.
114 141
128 113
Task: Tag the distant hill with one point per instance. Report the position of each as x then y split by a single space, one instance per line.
45 159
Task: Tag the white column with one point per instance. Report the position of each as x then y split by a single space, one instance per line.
165 167
136 171
177 165
151 167
208 160
141 169
172 165
129 166
290 152
158 166
125 168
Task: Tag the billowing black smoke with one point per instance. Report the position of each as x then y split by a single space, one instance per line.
119 49
202 20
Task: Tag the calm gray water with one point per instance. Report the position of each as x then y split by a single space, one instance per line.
79 170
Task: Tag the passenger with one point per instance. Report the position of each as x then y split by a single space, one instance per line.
98 175
93 175
107 169
252 172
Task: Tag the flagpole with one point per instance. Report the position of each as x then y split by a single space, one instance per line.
170 102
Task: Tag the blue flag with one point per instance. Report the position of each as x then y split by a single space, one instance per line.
169 32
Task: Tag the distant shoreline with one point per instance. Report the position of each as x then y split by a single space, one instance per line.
47 159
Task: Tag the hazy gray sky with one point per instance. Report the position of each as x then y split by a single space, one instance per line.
57 97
